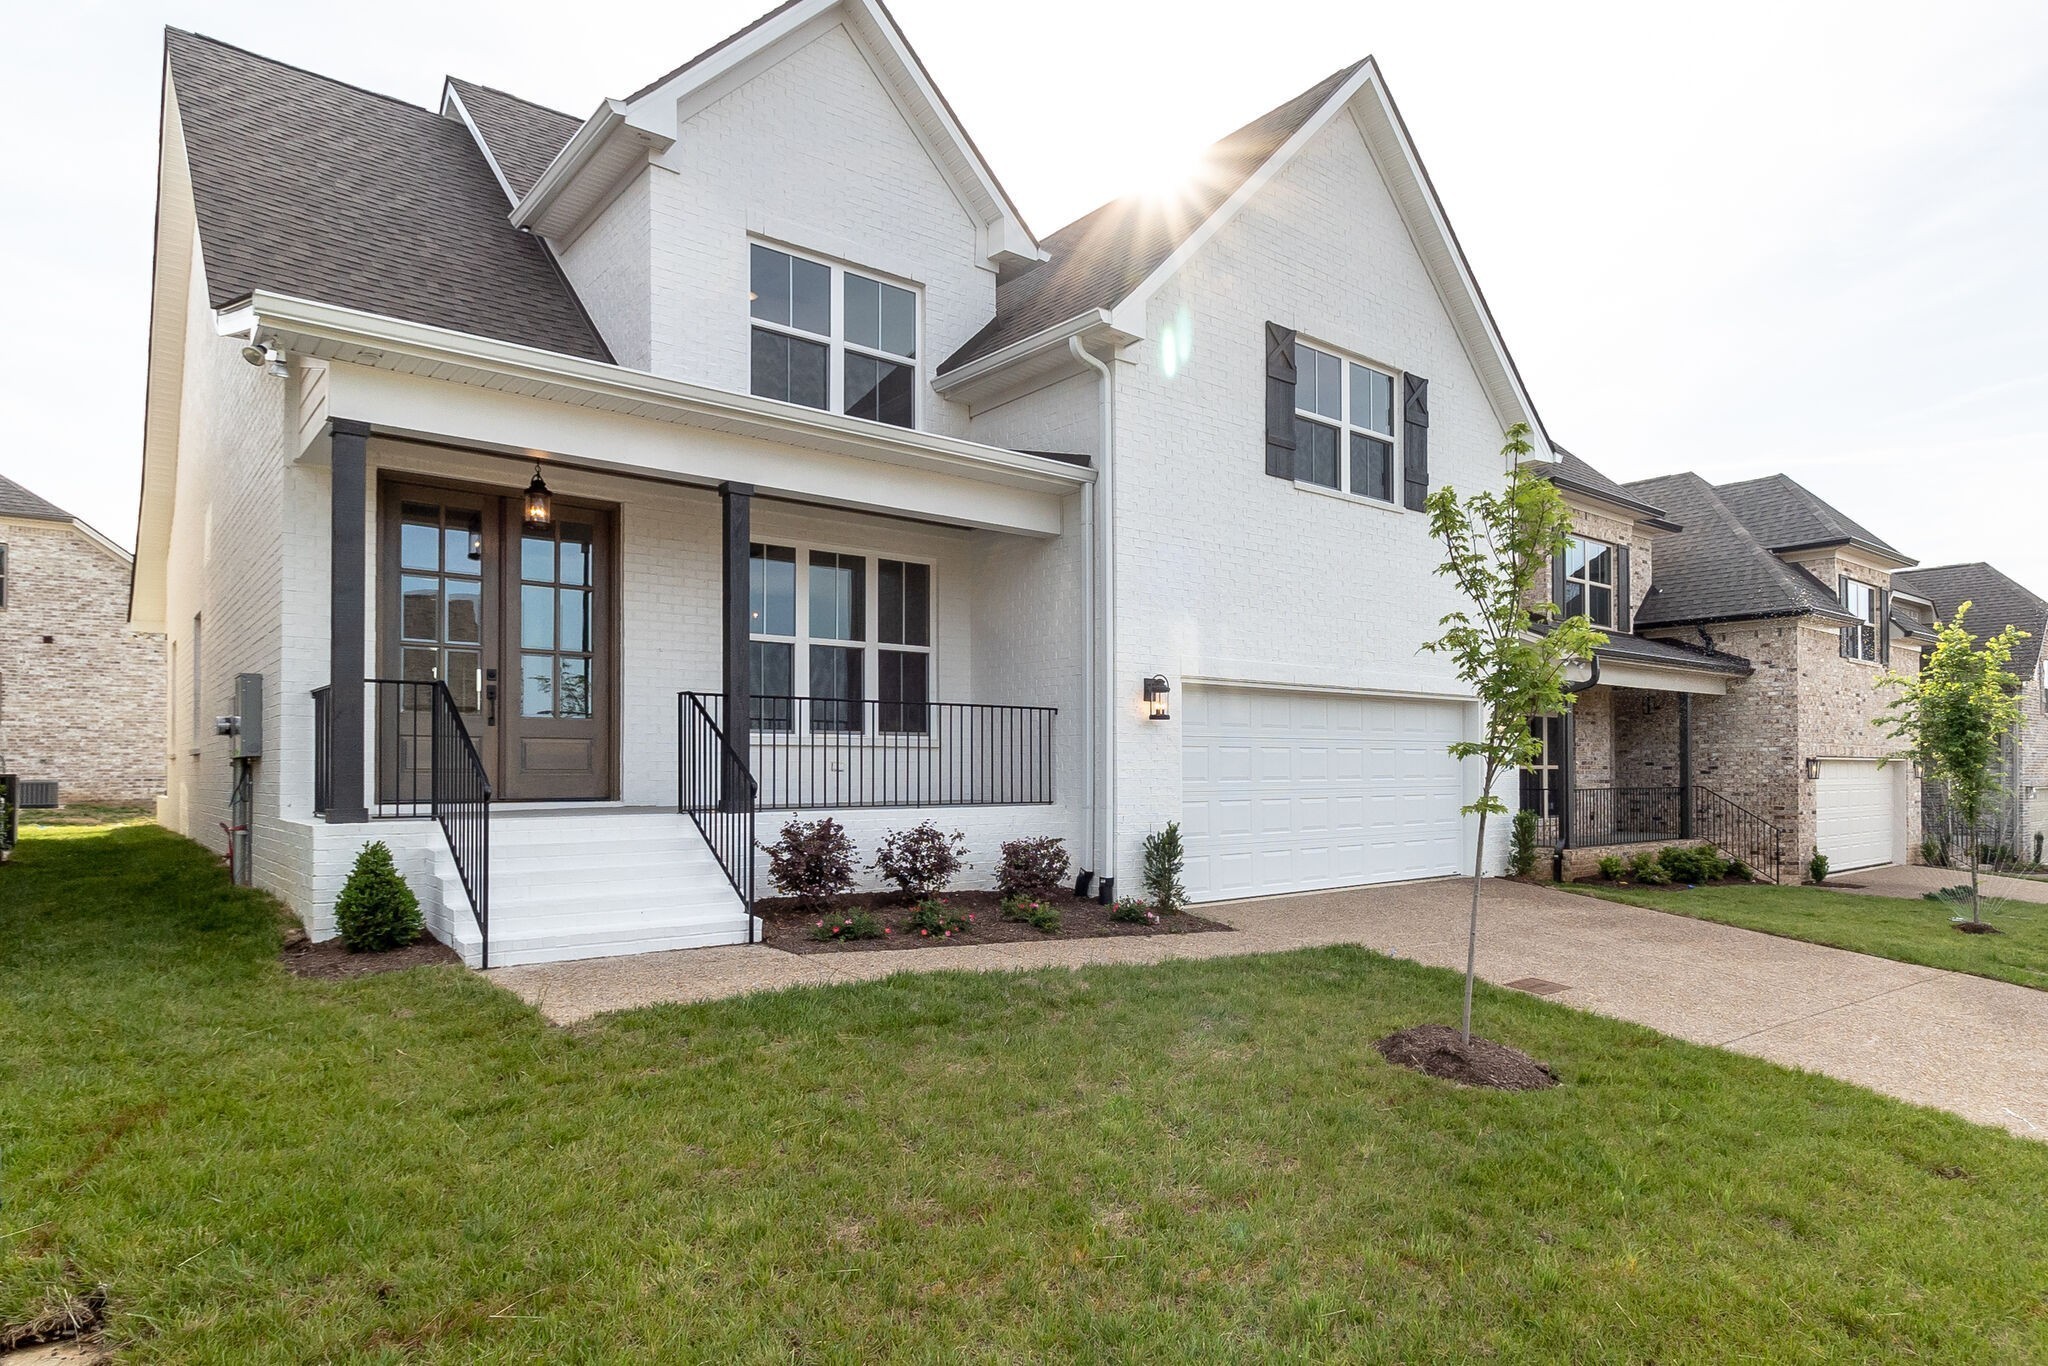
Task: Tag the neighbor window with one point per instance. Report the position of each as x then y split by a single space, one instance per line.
1859 642
832 338
1543 779
3 576
853 629
1589 581
1343 424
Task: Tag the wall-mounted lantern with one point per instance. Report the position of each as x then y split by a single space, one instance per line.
1156 690
1813 770
540 504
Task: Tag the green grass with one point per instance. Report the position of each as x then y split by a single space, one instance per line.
1910 930
1192 1162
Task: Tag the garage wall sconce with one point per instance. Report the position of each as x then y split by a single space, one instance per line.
1156 690
1813 770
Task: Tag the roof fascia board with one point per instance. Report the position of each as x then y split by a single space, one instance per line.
373 338
1608 506
1008 372
177 255
1632 672
585 152
1509 400
451 100
1868 550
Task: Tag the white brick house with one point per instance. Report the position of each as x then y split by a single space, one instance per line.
830 438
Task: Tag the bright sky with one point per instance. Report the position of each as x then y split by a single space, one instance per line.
1748 238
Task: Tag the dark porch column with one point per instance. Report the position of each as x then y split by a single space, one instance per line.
736 502
1685 765
348 582
1568 777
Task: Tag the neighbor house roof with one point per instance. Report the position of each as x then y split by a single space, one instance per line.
521 137
1784 515
1717 568
1100 259
309 187
16 501
1568 471
1996 602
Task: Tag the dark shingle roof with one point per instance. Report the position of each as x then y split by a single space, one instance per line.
1096 261
306 186
521 136
16 501
1783 515
1573 473
1675 652
1996 602
1717 568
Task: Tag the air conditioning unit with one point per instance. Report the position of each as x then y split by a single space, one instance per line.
39 793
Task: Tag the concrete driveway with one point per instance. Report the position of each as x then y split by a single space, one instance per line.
1911 880
1966 1044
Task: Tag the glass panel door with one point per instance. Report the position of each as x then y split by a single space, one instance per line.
436 617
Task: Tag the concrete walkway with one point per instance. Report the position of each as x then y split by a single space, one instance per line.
1966 1044
1911 880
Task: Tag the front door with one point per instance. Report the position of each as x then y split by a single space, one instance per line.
516 620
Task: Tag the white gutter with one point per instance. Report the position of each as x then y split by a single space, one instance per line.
1017 350
579 149
1100 709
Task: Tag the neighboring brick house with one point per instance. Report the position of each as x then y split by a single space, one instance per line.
81 692
1076 536
1996 602
1772 613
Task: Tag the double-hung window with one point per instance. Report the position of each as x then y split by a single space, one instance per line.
832 338
1589 581
1859 642
814 661
1343 424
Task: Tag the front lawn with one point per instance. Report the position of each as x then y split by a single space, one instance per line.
1203 1161
1912 931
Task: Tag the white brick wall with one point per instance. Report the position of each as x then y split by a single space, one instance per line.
1225 572
609 264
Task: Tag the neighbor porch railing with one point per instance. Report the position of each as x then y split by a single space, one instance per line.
829 753
1595 817
10 814
714 789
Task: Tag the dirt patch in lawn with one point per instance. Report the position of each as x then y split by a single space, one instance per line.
1438 1051
64 1331
330 960
785 927
1974 927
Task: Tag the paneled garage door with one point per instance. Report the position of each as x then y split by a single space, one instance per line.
1288 791
1853 825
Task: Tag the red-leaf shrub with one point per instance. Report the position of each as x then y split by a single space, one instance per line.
921 861
1032 867
812 861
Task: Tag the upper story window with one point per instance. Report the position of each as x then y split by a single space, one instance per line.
1859 642
832 338
1343 424
3 576
1589 581
834 632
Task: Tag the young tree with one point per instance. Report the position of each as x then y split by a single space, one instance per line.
1497 547
1954 716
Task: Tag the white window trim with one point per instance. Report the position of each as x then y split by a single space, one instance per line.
836 344
1546 764
871 648
1345 427
1613 584
1871 620
5 581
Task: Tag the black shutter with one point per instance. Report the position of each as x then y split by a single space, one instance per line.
1414 442
1621 612
1279 401
1557 584
1849 633
1884 626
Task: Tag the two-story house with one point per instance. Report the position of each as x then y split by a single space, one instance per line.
585 494
1748 625
1997 601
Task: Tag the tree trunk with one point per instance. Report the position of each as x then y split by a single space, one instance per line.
1472 933
1976 897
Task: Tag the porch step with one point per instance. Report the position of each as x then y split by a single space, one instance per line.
593 883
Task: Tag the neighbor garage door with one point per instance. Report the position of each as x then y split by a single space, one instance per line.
1853 826
1288 791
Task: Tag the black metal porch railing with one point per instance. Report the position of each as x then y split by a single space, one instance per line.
830 753
10 814
323 739
714 789
1599 816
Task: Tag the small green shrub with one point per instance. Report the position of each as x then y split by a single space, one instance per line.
1645 869
1131 911
1522 844
1741 871
1039 916
1958 895
376 911
1164 861
849 925
1817 868
1933 853
935 919
1703 863
1612 868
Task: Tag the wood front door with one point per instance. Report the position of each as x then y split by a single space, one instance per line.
516 621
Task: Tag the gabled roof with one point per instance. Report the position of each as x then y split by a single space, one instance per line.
1996 602
308 187
1570 472
1785 515
1101 257
1716 568
519 137
16 501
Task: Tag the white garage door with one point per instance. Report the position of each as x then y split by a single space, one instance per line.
1853 826
1287 791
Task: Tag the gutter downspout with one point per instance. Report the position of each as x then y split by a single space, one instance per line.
1100 711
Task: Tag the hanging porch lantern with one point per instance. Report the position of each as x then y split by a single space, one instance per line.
540 504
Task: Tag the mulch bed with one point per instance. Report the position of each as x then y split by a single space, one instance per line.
1674 885
330 960
1974 927
785 927
1437 1051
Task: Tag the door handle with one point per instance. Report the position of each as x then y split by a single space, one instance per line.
490 697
